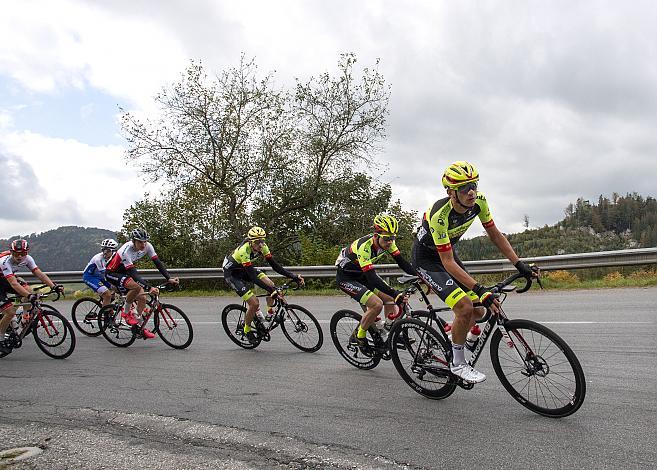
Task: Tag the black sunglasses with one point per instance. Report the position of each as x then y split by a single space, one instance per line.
465 189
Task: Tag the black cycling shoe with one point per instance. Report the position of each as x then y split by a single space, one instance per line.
251 336
4 347
362 343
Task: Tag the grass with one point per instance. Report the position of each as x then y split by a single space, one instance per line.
554 280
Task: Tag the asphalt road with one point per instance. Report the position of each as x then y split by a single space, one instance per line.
218 406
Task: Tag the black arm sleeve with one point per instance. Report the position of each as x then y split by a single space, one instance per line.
374 281
280 269
160 267
132 272
253 275
405 265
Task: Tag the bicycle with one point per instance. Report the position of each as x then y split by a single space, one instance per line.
534 364
344 322
176 331
52 332
299 326
85 315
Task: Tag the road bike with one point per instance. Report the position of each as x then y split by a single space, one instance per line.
534 364
299 326
52 332
169 322
85 314
344 323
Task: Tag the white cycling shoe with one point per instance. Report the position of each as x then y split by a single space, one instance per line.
467 373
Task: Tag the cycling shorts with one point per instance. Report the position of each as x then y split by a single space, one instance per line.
118 280
5 288
97 283
441 282
355 286
239 281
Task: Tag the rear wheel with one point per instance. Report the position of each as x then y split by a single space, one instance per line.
173 326
85 316
301 328
114 328
343 324
232 319
53 333
538 369
421 358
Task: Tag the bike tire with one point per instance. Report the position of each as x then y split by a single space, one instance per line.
173 326
118 333
299 320
343 323
232 319
56 341
566 394
85 316
423 363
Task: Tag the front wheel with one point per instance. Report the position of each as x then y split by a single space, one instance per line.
301 328
538 369
114 328
232 319
53 333
173 326
85 316
421 358
343 324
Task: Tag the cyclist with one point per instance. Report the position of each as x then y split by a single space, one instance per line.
357 277
240 275
438 265
94 274
10 262
122 273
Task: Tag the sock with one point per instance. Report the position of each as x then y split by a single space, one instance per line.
247 328
361 333
458 354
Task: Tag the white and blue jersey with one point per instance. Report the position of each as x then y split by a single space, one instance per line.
94 274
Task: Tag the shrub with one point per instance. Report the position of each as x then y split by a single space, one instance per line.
563 276
613 277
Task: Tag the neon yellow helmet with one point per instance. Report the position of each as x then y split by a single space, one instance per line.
256 233
384 223
458 174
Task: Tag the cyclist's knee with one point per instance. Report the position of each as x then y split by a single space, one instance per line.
464 308
253 302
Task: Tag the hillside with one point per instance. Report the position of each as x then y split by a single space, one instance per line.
65 248
612 224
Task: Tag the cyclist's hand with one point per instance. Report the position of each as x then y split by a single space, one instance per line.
277 294
527 270
154 291
174 280
300 281
58 288
487 298
32 297
401 298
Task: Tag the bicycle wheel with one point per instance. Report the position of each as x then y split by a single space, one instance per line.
301 328
113 327
173 326
232 319
343 323
85 316
538 369
54 334
421 358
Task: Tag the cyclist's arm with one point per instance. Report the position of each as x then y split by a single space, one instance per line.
405 265
502 244
18 288
279 269
253 276
456 271
375 282
43 278
160 267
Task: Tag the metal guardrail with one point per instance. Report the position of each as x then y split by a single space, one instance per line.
599 259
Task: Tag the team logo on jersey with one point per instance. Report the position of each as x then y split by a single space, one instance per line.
449 282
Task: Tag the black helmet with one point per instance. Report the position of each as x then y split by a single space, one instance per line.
140 234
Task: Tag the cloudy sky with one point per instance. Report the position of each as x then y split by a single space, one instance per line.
551 100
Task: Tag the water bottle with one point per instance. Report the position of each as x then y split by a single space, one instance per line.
448 330
381 328
388 324
261 316
14 325
269 315
472 337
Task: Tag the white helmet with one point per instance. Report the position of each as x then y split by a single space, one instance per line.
109 243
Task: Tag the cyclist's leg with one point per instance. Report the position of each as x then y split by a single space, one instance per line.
99 286
135 294
389 307
264 278
7 310
355 287
243 288
105 294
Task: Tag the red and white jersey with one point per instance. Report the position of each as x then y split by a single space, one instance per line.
126 257
8 266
